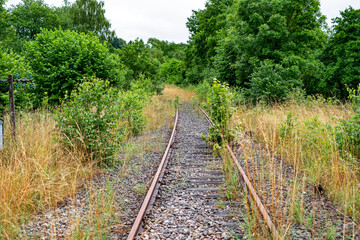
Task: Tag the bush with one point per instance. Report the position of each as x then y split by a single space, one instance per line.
219 104
347 133
133 103
173 72
11 63
89 120
203 90
272 82
61 59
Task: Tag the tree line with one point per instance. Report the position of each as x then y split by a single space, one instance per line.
270 48
61 46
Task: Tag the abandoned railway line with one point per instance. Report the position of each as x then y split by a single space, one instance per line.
189 202
188 195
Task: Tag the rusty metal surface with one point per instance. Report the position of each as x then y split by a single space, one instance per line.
252 191
150 195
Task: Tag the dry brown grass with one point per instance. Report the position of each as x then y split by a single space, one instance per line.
162 107
308 145
35 172
184 95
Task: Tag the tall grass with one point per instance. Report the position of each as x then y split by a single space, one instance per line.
162 107
35 171
302 134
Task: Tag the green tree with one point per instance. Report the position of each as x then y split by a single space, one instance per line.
29 16
342 54
136 56
60 59
89 16
287 33
64 16
204 26
3 14
8 37
168 50
173 71
11 63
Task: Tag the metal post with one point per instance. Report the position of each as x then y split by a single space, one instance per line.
12 106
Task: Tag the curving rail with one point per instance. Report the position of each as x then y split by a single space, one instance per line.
252 191
150 195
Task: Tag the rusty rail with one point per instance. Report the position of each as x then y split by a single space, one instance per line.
135 228
252 191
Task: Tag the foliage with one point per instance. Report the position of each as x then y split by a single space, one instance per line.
287 126
203 26
133 103
348 131
272 82
89 16
11 63
136 56
60 59
203 90
6 31
145 87
269 48
64 16
169 50
286 32
89 120
29 16
173 71
342 54
219 101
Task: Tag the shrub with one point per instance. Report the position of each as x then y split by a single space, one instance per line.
173 71
11 63
347 133
272 82
89 120
61 59
219 103
133 103
203 90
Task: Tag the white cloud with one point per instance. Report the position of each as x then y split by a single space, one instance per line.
166 19
332 8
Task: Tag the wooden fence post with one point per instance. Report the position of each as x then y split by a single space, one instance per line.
12 106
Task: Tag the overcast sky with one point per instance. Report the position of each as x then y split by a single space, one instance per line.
165 19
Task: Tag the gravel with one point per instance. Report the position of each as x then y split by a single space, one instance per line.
109 201
188 203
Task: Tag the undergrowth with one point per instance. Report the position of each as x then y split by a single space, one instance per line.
318 137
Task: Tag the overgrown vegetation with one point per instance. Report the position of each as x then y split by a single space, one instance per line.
219 108
285 68
310 136
273 48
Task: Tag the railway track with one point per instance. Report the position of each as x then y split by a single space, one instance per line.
189 203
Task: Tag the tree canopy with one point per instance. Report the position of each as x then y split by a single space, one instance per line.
61 59
342 54
89 16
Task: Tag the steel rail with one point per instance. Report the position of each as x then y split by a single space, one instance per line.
135 228
253 193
